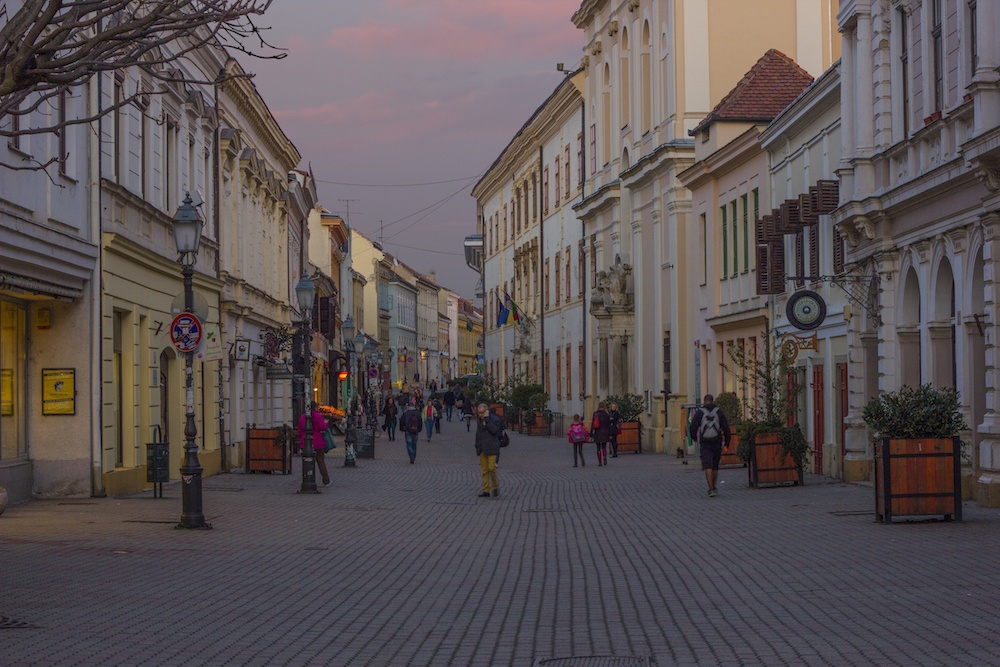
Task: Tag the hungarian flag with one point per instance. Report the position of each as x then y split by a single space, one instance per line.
512 311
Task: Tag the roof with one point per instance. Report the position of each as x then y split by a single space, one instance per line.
774 82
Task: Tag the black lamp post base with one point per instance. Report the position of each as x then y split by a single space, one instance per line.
204 525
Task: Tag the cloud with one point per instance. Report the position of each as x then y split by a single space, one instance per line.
450 29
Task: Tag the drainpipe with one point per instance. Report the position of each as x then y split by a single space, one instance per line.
97 489
583 237
217 220
541 252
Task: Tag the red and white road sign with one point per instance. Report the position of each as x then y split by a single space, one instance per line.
186 332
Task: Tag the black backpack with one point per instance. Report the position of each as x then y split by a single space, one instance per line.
412 424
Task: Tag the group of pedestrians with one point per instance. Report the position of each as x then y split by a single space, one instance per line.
605 425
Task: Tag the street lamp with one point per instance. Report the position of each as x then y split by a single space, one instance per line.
347 342
187 236
305 294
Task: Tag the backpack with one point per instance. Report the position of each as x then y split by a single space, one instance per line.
577 433
503 439
711 427
412 421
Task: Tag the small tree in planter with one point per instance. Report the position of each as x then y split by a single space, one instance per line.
729 403
917 452
774 451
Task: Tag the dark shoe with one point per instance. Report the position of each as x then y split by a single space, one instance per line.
411 460
496 492
614 456
484 494
574 465
712 493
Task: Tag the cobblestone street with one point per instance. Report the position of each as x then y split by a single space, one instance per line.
399 564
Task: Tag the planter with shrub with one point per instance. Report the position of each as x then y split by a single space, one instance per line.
630 407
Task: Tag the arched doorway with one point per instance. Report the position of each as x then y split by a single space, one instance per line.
976 346
908 331
941 329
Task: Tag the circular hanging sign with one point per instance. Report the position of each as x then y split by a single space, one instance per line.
373 372
806 310
186 332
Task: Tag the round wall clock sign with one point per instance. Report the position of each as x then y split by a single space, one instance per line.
806 310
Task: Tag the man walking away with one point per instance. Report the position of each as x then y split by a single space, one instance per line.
488 448
449 402
711 429
411 423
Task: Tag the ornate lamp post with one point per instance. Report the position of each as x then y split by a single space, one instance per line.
305 294
187 236
347 342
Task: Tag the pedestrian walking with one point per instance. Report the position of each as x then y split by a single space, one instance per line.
577 436
600 429
616 427
429 419
710 428
488 448
467 415
411 423
319 425
449 402
390 412
438 408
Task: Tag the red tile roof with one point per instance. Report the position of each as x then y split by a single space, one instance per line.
773 83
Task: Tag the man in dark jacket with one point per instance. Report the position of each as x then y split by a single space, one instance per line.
449 402
410 423
488 448
711 429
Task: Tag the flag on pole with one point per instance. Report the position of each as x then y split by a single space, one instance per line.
502 313
512 314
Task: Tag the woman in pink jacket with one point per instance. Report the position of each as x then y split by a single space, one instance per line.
319 445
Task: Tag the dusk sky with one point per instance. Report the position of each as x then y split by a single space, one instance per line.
382 95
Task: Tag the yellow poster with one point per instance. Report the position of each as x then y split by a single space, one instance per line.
58 391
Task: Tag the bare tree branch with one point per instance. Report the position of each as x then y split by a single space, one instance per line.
52 47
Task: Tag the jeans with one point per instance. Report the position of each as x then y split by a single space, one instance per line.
411 444
429 427
447 410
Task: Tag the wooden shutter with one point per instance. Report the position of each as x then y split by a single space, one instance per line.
838 252
324 315
800 258
827 196
776 267
814 250
763 274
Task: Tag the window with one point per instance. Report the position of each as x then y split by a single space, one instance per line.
120 129
704 249
567 274
736 242
583 389
625 93
593 260
579 267
666 364
568 181
904 65
534 197
973 38
15 126
746 234
756 206
593 149
937 47
61 132
169 163
545 189
192 182
545 279
569 365
725 242
558 372
558 278
556 183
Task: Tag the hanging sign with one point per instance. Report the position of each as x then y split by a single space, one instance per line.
186 332
805 310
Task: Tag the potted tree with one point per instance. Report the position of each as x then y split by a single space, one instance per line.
630 407
537 403
770 442
520 397
729 403
917 452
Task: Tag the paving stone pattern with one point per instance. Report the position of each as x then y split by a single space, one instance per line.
399 564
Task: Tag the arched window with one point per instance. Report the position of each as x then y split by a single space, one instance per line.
646 66
606 102
625 90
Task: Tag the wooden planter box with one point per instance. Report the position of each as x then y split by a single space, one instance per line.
498 408
630 437
266 453
769 465
729 457
918 477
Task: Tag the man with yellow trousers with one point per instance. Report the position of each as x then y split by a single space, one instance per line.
488 447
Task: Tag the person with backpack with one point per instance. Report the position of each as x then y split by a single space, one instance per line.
449 402
410 422
389 411
711 429
577 436
600 428
438 408
467 413
488 443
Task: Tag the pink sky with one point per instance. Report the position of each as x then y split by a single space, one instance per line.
391 93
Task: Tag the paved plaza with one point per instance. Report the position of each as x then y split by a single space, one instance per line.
399 564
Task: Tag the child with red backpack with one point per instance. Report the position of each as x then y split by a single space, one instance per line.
577 436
